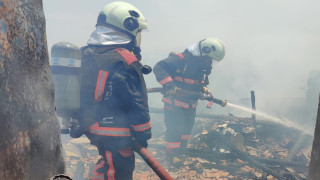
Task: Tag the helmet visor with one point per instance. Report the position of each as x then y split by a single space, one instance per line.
138 39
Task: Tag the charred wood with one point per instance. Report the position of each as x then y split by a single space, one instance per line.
30 146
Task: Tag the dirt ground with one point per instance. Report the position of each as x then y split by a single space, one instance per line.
253 151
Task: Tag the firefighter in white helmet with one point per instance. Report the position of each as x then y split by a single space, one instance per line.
188 71
114 104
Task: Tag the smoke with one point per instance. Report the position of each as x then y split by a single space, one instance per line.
271 46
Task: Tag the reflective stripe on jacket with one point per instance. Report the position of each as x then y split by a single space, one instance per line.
165 80
184 71
101 82
108 131
186 80
141 127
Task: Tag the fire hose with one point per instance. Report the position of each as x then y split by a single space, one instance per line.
152 162
147 157
203 96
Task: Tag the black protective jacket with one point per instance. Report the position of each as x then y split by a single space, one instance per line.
185 71
113 97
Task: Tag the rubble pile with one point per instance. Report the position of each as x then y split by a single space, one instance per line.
220 148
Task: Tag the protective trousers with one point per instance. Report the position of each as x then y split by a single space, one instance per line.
179 122
114 165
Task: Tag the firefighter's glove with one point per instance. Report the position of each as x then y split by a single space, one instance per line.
141 137
143 143
224 103
76 130
140 142
205 97
205 90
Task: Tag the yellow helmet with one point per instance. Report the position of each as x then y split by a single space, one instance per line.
213 48
122 16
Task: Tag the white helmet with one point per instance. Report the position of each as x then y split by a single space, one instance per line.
122 16
213 48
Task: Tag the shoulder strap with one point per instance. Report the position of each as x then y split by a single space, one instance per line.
127 56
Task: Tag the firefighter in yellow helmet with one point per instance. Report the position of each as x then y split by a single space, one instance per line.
188 71
113 103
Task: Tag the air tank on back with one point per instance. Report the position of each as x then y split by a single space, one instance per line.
65 65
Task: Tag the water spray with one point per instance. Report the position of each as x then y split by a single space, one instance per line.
209 97
282 121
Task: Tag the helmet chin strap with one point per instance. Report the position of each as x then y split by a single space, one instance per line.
133 49
137 52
